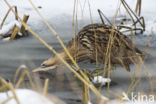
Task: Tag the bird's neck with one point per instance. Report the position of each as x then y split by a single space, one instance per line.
78 53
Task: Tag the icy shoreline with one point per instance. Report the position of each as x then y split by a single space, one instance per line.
52 11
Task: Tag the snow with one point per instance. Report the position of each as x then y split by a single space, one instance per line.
6 39
89 102
104 98
100 79
25 96
150 27
9 26
23 66
60 9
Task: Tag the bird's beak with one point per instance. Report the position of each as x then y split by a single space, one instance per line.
45 68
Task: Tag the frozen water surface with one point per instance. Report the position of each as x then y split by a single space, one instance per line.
31 52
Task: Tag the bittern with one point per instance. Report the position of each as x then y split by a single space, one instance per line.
99 43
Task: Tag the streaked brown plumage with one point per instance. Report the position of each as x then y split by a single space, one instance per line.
92 42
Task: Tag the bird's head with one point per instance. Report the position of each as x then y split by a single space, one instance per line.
54 61
50 64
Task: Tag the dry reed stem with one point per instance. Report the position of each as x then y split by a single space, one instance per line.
13 35
148 74
131 85
21 79
16 74
6 16
102 14
89 84
12 89
85 94
93 88
129 28
147 44
128 9
57 36
90 12
15 29
108 51
7 100
91 19
82 7
3 87
16 16
138 7
25 19
75 28
4 35
46 85
25 72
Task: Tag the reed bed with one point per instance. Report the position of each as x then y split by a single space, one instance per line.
83 76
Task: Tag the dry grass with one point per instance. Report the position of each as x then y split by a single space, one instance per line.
82 76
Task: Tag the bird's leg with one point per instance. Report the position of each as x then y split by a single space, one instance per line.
86 72
102 71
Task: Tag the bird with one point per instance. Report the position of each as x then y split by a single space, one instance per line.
95 42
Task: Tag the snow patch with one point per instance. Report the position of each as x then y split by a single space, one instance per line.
100 79
89 102
23 66
6 39
9 26
104 98
25 96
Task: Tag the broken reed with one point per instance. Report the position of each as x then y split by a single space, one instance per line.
15 29
134 17
25 19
